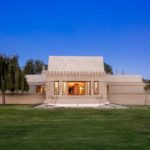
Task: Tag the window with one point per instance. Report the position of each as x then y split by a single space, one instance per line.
96 88
56 88
76 88
88 88
40 89
65 88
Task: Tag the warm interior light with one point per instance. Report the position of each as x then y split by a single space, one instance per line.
76 88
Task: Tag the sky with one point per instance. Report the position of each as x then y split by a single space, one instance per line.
118 30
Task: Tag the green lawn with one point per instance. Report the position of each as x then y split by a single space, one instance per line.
26 128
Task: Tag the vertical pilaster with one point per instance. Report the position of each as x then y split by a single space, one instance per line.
60 88
92 88
86 88
49 90
103 90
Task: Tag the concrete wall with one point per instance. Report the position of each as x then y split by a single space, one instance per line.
129 99
126 89
24 98
119 93
124 78
101 78
32 89
74 100
127 94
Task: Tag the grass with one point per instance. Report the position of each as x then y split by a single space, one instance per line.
26 128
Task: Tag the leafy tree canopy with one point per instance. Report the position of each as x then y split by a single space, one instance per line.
12 77
146 81
147 85
108 68
34 66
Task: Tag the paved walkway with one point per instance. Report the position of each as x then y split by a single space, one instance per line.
103 106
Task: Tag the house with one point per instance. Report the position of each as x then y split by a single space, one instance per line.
82 80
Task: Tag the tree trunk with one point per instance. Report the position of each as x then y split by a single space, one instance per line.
3 97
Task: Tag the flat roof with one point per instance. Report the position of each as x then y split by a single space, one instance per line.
37 78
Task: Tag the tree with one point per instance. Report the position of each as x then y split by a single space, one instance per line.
147 89
108 68
13 72
38 65
3 75
29 67
10 76
34 66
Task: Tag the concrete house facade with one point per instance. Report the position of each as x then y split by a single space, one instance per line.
82 80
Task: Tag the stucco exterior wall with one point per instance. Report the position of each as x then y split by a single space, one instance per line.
32 89
24 98
76 64
103 90
49 90
126 88
128 99
127 93
91 99
119 89
124 78
74 100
